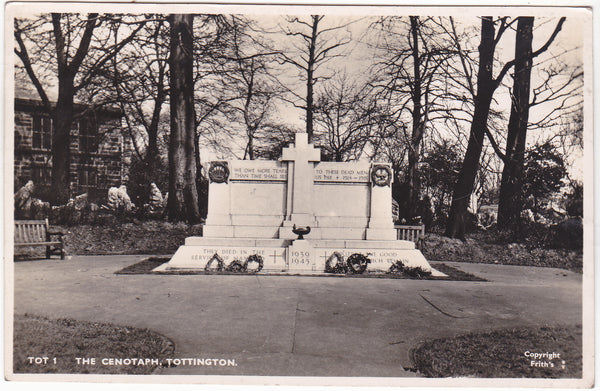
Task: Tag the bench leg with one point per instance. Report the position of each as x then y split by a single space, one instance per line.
59 250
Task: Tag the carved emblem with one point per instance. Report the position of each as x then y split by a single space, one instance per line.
381 175
218 172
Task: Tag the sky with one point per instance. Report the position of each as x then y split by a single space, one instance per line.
358 56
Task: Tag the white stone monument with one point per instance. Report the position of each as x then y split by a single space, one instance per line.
253 206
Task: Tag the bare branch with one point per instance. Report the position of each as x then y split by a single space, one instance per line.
536 53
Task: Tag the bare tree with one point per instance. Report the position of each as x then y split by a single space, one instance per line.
344 113
510 204
212 47
75 53
315 49
564 93
140 83
249 75
182 204
389 142
412 78
486 86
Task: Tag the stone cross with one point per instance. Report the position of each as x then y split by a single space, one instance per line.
301 156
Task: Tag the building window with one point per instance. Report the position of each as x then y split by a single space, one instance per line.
87 176
42 132
88 136
41 175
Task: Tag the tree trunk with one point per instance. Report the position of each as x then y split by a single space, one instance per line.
309 78
151 156
251 144
338 156
61 140
414 150
63 113
511 200
183 195
152 153
201 183
485 90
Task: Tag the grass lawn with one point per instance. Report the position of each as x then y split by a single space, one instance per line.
502 353
62 340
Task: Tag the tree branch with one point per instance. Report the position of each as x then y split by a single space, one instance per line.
84 45
94 69
24 56
509 64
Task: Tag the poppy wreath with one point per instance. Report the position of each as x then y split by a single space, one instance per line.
357 263
413 272
256 259
236 267
220 264
335 264
396 268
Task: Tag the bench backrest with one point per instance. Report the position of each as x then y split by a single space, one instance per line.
413 233
31 231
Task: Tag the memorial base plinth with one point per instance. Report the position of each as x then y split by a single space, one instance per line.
295 256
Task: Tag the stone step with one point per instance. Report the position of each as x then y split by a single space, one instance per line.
320 243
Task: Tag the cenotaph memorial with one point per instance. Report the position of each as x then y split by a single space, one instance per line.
254 207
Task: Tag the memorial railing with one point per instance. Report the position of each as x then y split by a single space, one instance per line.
413 233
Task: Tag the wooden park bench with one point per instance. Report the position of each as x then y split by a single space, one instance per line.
37 233
413 233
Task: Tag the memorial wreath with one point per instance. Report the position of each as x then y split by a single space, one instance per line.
415 272
235 266
254 258
220 264
335 264
357 263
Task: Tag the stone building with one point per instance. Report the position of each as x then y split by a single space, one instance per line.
99 153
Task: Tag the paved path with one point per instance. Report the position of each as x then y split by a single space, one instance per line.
290 325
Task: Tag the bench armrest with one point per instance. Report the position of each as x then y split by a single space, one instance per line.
56 233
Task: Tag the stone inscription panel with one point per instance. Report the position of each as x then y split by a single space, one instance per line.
300 259
342 172
252 170
381 260
301 256
198 256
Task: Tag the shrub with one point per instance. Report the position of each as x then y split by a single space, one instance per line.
568 234
573 203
